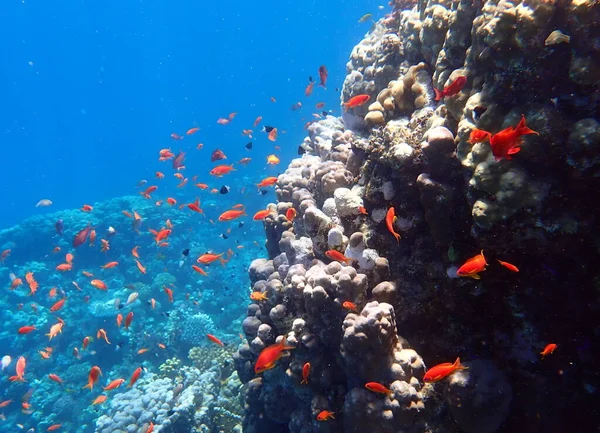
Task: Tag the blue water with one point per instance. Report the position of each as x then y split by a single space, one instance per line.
92 90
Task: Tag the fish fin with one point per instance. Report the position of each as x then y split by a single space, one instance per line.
514 150
438 94
458 365
523 129
475 276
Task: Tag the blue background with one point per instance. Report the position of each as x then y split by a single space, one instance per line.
92 90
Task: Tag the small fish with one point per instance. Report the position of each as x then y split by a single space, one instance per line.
309 88
135 376
473 266
93 376
248 146
273 135
378 388
323 74
305 373
59 227
350 306
356 101
338 257
508 141
185 252
390 219
301 150
221 170
324 415
272 160
365 18
214 339
224 189
557 37
217 155
258 296
451 89
269 356
267 181
261 214
44 203
257 121
441 371
290 214
508 266
548 349
297 106
192 131
82 235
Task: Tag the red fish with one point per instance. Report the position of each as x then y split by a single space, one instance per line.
324 415
356 101
309 88
508 266
20 370
273 134
93 376
473 267
261 214
378 388
290 214
305 373
268 181
214 339
114 384
508 141
195 206
350 306
169 293
338 257
451 89
82 235
192 131
26 329
55 378
257 121
128 319
176 136
441 371
269 356
199 270
390 218
319 105
548 349
134 377
217 155
478 136
323 75
58 305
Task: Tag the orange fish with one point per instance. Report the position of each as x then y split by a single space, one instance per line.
54 427
273 134
451 89
99 284
473 266
26 329
258 296
548 349
319 105
268 181
55 330
272 160
169 293
269 356
58 305
257 121
33 285
478 136
5 403
324 415
350 306
231 214
195 206
119 320
192 131
105 245
87 208
69 258
87 274
508 266
141 268
390 219
159 175
323 74
441 371
153 303
261 214
508 141
134 377
114 384
221 170
305 373
150 428
214 339
134 252
199 270
99 400
93 376
338 257
102 334
64 267
55 378
356 101
16 283
86 342
309 88
176 136
110 265
20 370
171 201
209 258
378 388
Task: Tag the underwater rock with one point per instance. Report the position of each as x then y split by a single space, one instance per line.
479 397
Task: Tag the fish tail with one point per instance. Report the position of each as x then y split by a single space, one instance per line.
438 94
459 366
523 129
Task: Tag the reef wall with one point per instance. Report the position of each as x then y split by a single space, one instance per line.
453 196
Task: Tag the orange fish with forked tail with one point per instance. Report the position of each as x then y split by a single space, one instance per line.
506 142
473 267
390 219
269 356
441 371
356 101
93 376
